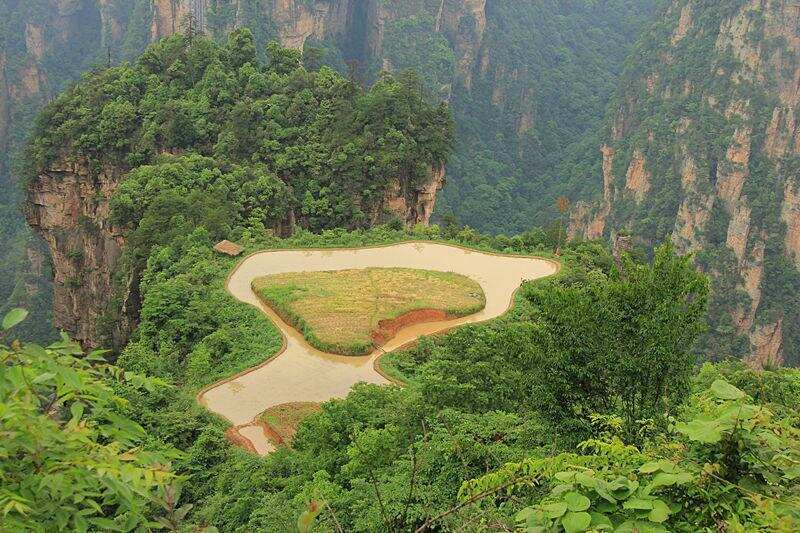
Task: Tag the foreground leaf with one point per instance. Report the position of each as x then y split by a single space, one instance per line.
14 317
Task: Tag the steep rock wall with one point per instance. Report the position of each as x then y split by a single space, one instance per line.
413 204
722 183
68 205
43 46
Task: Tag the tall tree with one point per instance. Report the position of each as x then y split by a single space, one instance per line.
621 345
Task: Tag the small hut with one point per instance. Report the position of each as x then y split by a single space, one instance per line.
228 248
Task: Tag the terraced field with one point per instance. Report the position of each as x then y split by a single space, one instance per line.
301 373
350 312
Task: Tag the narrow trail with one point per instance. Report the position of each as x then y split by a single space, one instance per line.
301 373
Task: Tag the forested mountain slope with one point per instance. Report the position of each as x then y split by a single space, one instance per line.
702 144
524 81
585 407
196 133
581 409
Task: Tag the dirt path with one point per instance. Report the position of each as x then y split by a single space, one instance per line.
301 373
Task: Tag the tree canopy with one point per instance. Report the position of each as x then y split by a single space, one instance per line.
332 147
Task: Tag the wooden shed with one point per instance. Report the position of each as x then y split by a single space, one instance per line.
228 248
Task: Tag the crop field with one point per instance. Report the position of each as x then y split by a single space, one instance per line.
348 312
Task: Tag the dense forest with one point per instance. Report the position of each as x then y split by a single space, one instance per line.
527 131
528 87
523 82
291 141
197 133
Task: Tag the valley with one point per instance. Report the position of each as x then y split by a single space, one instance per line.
421 266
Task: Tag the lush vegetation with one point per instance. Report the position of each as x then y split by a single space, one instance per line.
69 459
318 149
558 61
728 460
583 408
481 403
341 311
208 135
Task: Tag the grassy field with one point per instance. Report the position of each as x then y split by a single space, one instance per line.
285 418
339 311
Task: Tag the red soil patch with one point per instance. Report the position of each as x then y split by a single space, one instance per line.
271 434
236 438
388 328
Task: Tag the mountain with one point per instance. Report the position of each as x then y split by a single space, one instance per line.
523 80
200 134
566 412
702 145
714 86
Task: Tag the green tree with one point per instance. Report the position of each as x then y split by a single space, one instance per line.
241 48
730 464
69 461
620 343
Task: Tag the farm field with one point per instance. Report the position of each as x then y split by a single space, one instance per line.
349 312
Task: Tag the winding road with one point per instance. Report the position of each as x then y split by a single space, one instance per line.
300 373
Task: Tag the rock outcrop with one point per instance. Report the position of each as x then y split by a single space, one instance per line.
790 214
168 16
712 148
637 180
411 203
68 205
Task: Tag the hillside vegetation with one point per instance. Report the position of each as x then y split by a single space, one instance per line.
196 133
311 142
585 407
598 355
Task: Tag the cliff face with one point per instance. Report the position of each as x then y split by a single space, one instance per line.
703 147
37 43
68 205
294 21
413 204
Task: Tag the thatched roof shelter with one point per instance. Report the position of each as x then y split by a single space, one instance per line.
229 248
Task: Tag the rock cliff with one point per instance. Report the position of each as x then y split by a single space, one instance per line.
68 205
704 130
413 204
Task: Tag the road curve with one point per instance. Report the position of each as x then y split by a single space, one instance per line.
303 373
